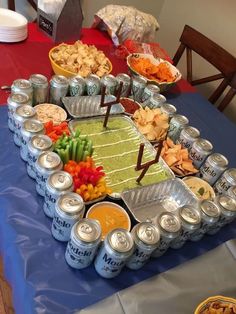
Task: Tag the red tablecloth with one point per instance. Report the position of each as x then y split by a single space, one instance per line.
20 60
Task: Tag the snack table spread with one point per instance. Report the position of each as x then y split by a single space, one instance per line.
34 262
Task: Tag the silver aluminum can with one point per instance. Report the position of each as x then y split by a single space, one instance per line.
14 101
22 86
149 91
190 218
138 85
57 183
46 163
188 136
115 251
228 209
156 101
40 88
110 82
125 79
69 209
201 148
146 238
227 180
83 244
177 123
29 128
232 192
77 86
93 85
213 168
59 86
37 145
170 227
168 109
210 214
21 114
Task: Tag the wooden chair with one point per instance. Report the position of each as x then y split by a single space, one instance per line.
223 61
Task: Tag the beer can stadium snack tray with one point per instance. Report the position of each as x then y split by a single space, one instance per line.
89 106
150 201
116 149
217 305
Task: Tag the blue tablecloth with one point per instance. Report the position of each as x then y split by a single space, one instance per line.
34 262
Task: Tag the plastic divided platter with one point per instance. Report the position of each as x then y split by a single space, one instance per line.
116 149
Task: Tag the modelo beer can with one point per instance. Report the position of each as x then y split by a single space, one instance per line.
213 167
146 238
115 251
210 214
59 86
69 209
83 244
169 226
138 85
22 113
125 79
190 218
227 180
188 136
37 145
57 183
168 109
14 101
177 123
232 192
40 88
93 85
22 86
46 163
201 148
110 82
227 207
29 128
77 86
149 91
156 101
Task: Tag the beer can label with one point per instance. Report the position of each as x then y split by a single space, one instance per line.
139 258
61 227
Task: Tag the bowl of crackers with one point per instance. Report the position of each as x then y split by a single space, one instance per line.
79 59
217 305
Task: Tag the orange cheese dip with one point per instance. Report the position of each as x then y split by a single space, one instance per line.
110 218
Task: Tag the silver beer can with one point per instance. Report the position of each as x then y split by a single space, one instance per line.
210 214
110 82
138 85
22 86
201 148
168 109
190 218
69 209
83 244
77 86
188 136
156 101
177 123
59 86
21 114
46 163
115 251
146 238
232 192
125 79
213 168
149 91
227 180
37 145
40 88
57 183
228 209
14 101
169 226
29 128
93 85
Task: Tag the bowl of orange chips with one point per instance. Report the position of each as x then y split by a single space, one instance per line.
217 305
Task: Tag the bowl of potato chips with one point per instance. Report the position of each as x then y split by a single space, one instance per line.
217 305
79 59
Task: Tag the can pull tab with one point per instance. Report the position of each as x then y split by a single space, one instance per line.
85 228
73 202
61 178
121 239
50 158
149 232
34 126
40 142
27 112
170 222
